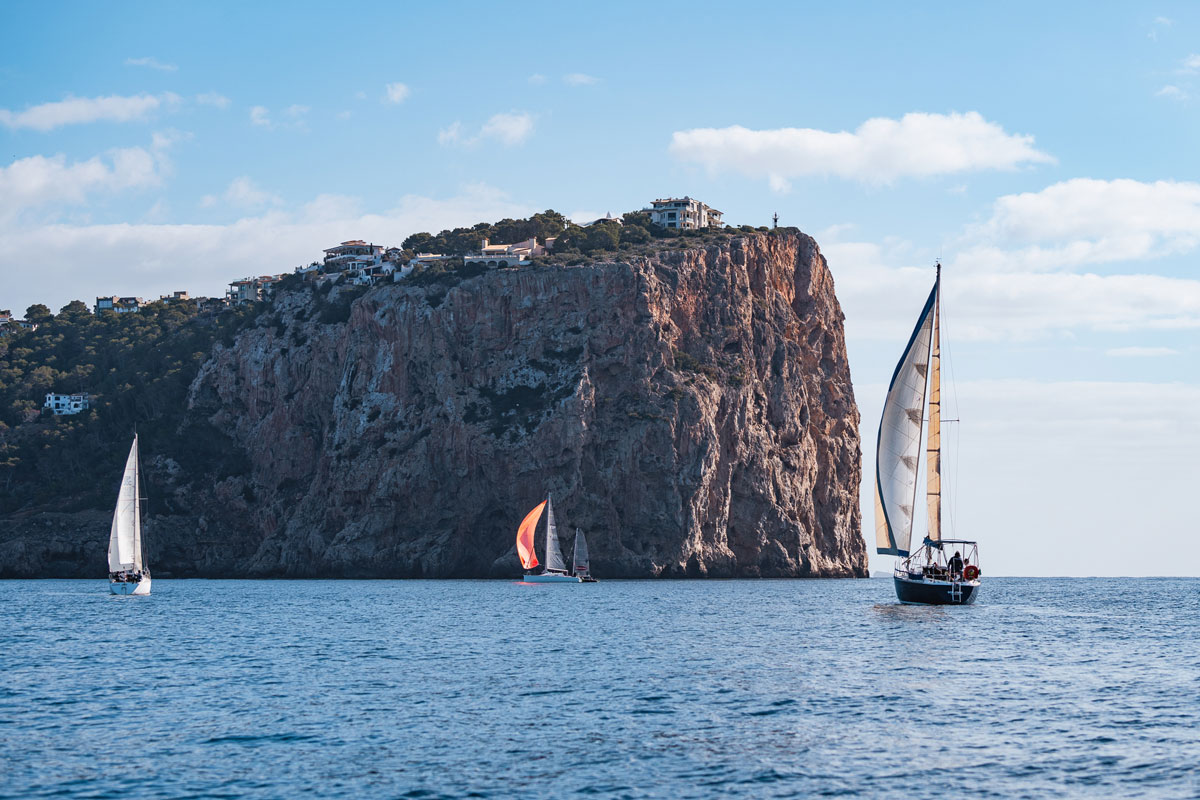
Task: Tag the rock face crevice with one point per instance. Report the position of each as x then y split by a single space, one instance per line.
690 410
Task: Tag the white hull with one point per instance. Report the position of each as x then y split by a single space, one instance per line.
140 588
550 578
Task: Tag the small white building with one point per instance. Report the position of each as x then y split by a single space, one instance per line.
685 213
62 404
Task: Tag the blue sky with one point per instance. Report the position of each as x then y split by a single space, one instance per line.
1046 152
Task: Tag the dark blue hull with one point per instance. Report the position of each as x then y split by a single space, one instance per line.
935 593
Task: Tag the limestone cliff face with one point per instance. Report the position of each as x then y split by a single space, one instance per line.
691 411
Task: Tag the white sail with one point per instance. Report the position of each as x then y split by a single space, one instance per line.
899 443
580 557
554 557
933 446
125 537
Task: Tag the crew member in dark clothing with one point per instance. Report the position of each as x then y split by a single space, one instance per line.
956 564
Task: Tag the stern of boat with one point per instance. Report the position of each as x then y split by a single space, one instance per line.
141 588
918 590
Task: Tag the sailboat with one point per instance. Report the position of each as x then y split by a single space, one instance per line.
927 575
127 573
555 569
579 559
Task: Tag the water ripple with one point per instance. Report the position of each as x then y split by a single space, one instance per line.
754 689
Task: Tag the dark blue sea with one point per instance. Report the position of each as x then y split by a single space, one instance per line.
620 689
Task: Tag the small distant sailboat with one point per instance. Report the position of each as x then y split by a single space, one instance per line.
579 559
127 573
926 575
555 570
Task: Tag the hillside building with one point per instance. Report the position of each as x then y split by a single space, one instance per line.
121 305
684 213
505 255
354 254
62 404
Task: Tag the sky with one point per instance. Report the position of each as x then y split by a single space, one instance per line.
1045 152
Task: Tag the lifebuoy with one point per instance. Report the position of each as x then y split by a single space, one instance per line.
971 572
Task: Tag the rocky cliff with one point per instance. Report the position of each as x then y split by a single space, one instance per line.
690 410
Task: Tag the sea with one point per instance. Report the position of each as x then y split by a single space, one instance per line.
619 689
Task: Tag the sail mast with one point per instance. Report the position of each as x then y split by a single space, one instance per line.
933 447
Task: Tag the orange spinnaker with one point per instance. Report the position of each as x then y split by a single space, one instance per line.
525 537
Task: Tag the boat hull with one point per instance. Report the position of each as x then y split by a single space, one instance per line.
935 593
141 588
553 577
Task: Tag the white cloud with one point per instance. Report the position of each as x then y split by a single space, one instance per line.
145 259
213 99
1141 352
579 79
451 134
39 181
296 111
152 63
1174 92
396 93
259 115
879 151
244 193
537 79
879 289
1086 221
1191 63
1166 22
78 110
778 184
509 129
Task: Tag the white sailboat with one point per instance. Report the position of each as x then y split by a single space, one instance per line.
926 575
127 573
555 569
579 559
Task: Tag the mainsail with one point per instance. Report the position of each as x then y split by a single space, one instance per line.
525 536
580 557
899 443
125 536
933 445
554 557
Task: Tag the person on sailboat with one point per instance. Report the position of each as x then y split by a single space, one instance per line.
956 564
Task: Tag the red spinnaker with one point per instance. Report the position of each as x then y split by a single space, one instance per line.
525 537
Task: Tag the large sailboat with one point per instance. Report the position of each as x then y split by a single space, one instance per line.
127 572
555 569
929 574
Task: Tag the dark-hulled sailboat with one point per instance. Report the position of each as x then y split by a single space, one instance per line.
928 574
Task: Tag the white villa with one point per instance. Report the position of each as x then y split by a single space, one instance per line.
354 254
506 255
684 212
249 290
62 404
121 305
